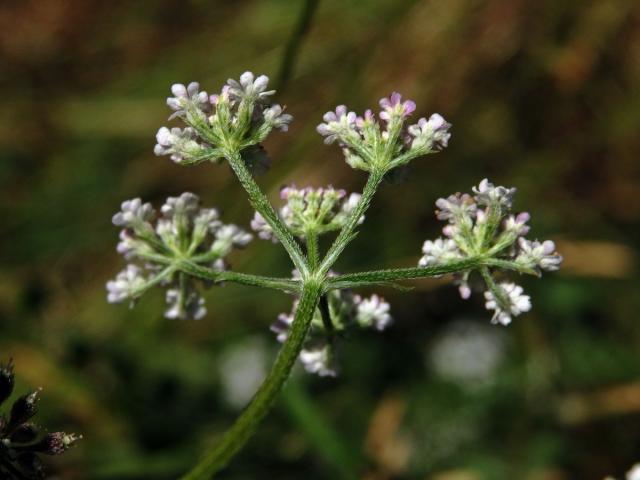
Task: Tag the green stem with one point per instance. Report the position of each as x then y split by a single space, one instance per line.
260 202
346 234
284 284
325 313
382 277
498 292
378 277
312 250
246 424
164 274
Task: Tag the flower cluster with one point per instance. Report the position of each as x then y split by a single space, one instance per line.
482 225
21 441
310 211
369 143
157 242
239 117
343 314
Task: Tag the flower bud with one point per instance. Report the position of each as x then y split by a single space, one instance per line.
23 409
56 443
25 433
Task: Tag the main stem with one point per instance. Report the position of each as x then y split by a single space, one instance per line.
260 202
246 424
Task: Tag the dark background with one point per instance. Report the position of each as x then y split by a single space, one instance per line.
542 95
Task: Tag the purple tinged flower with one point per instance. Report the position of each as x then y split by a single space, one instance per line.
185 230
486 193
337 124
223 96
539 255
394 106
432 134
455 207
450 230
464 289
367 119
517 223
276 118
183 144
517 303
56 443
308 209
250 88
439 251
185 96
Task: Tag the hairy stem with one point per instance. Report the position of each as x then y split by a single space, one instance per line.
381 277
246 424
346 234
284 284
263 207
313 254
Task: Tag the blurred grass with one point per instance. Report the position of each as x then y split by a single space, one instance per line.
543 95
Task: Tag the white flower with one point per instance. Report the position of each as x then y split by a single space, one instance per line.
517 303
133 214
463 285
249 87
183 231
337 124
184 304
488 194
275 117
455 206
182 144
126 284
634 473
541 255
319 359
187 205
373 311
264 230
432 134
185 96
310 210
281 326
439 251
517 224
229 236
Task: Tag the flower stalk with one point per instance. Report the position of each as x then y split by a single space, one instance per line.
185 243
246 424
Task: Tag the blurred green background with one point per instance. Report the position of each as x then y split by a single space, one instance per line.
542 95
